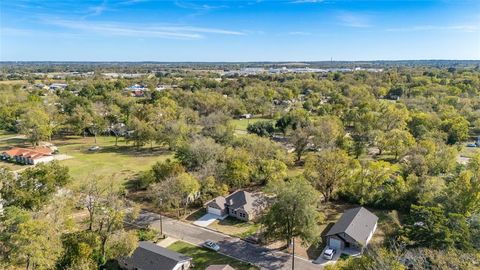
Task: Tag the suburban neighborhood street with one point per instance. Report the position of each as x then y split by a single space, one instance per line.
234 247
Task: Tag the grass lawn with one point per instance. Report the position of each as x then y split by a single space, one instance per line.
295 171
6 134
202 258
242 124
235 227
116 163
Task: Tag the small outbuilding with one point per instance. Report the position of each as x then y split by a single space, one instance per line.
353 230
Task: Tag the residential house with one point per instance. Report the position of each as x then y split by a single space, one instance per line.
241 204
30 156
353 230
149 256
219 267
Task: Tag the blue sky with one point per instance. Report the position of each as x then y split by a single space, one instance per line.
256 30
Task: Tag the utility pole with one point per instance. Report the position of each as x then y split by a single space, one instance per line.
293 253
161 221
293 237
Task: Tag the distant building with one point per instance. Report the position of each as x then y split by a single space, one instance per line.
149 256
30 156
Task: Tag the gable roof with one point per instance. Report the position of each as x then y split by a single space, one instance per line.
357 223
240 199
149 256
219 267
32 153
218 201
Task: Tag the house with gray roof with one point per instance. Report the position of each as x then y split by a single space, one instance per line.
353 230
149 256
240 204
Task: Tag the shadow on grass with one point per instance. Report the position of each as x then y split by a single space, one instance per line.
314 251
14 142
131 151
230 221
196 215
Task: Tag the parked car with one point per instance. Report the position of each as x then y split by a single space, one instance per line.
94 148
328 254
211 245
472 145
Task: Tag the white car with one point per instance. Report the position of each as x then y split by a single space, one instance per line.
328 254
94 148
211 245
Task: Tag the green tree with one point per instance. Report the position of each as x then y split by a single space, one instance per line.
143 132
199 152
34 186
398 142
261 128
327 170
27 242
293 213
35 124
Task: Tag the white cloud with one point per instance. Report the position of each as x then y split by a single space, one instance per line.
419 28
354 20
142 30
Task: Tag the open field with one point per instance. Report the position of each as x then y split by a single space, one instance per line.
116 163
202 258
242 124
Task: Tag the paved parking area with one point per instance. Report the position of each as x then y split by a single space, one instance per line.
206 220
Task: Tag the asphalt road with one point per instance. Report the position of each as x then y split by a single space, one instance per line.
234 247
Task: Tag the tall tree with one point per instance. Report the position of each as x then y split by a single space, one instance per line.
28 242
293 213
34 186
35 124
328 169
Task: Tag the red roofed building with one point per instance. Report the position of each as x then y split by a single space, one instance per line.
28 155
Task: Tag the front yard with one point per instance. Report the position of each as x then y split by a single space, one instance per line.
202 258
235 227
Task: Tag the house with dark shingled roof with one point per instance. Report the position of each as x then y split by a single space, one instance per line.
149 256
353 230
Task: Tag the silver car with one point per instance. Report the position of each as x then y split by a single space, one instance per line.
211 245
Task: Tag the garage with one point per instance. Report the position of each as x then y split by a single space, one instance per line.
214 211
335 243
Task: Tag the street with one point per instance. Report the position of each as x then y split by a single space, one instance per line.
234 247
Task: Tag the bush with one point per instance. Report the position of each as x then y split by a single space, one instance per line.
261 128
147 235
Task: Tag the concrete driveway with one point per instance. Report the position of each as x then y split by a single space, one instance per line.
206 220
322 261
